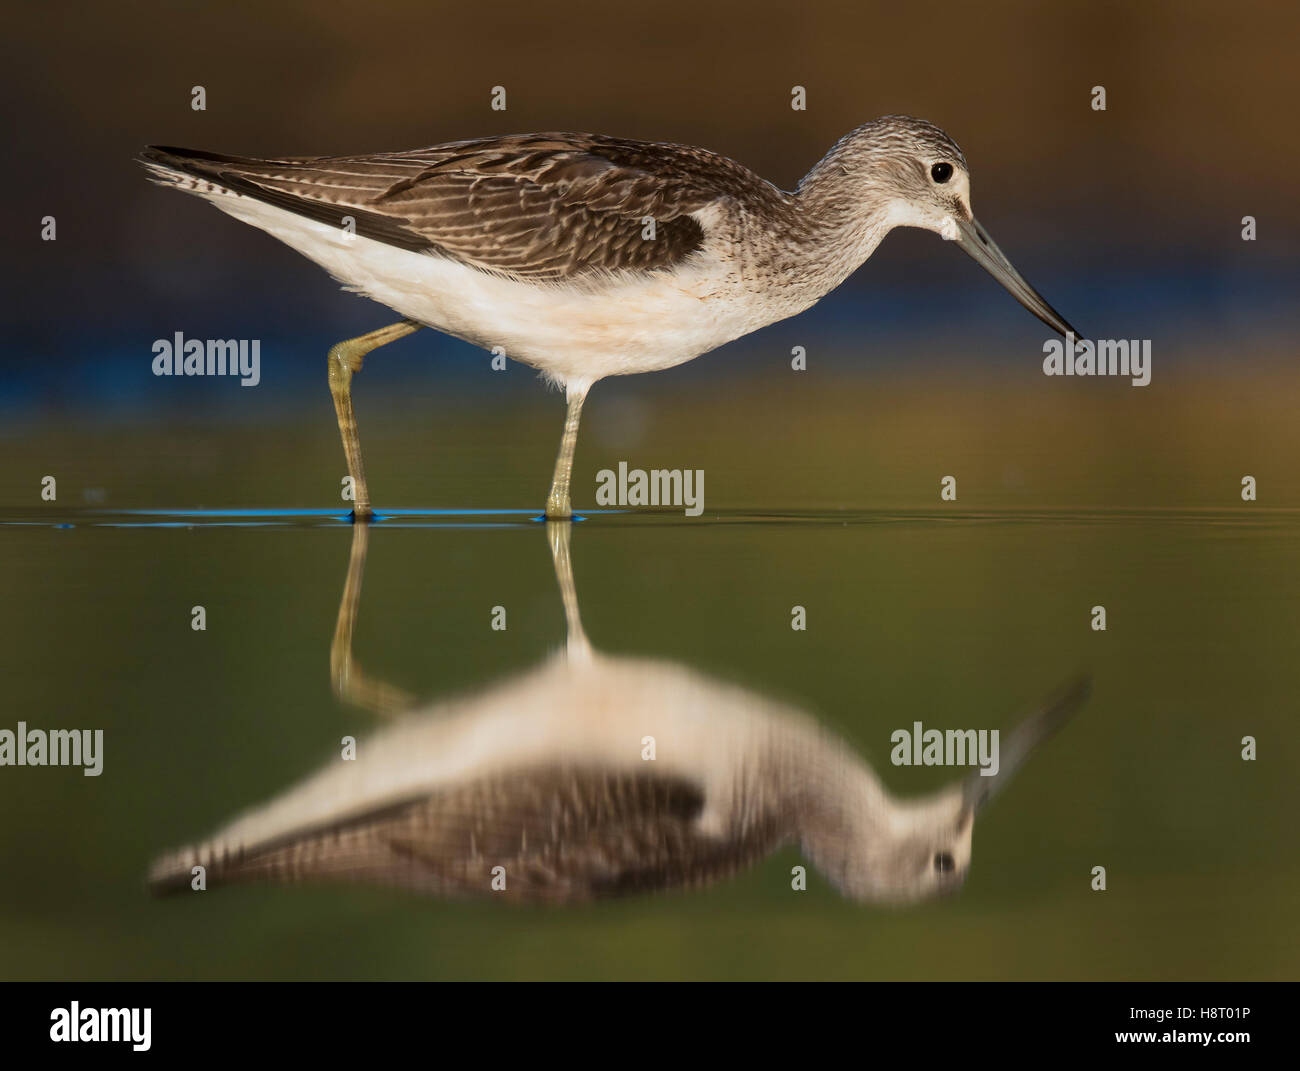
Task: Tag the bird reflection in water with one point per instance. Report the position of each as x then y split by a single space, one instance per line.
538 789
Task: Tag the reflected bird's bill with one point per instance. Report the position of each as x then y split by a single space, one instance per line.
975 240
1027 737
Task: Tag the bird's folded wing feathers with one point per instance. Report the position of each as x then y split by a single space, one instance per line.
543 206
561 835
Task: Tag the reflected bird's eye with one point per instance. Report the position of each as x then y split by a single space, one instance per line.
943 862
941 172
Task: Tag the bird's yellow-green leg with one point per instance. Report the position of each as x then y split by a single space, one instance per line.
345 358
557 502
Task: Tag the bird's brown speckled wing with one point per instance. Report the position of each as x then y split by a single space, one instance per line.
562 835
541 206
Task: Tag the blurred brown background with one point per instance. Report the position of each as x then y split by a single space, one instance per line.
1128 220
1114 214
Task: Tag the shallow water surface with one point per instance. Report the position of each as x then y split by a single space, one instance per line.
954 619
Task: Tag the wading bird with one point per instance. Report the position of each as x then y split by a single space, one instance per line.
587 256
539 789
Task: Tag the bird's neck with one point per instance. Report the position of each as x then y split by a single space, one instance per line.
830 789
839 223
844 820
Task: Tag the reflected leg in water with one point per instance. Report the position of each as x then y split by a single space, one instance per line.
351 683
558 534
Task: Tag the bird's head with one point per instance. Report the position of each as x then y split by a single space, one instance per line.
920 174
915 850
905 851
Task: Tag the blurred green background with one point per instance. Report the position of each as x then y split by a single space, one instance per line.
955 614
822 487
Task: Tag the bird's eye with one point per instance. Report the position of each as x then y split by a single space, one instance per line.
941 172
943 862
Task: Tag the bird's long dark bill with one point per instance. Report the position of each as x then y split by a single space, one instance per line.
975 240
1025 739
